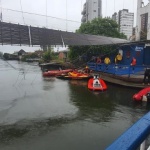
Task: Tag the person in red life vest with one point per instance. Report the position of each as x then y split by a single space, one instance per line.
133 63
98 60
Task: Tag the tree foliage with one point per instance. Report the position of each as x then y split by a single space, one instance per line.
101 26
98 26
47 56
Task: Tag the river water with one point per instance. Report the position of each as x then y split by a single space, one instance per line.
39 113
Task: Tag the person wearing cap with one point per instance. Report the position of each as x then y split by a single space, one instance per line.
86 70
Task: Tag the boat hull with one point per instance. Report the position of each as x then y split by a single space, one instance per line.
66 77
140 95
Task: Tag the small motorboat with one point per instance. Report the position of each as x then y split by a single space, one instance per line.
97 84
56 72
142 95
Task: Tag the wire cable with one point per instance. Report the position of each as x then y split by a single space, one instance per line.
123 4
66 15
46 13
1 13
106 9
22 12
114 6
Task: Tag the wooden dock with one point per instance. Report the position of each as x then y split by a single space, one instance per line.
134 81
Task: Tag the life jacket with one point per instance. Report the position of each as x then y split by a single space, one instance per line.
119 57
133 63
107 60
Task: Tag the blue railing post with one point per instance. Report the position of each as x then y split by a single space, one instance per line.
129 71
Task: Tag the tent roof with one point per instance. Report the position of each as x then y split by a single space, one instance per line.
25 35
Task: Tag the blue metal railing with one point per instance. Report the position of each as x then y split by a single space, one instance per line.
134 136
117 69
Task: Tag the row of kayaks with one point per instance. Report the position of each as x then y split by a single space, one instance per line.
94 82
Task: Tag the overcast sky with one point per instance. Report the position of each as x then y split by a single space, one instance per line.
58 11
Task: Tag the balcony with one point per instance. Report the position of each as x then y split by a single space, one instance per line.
83 19
84 11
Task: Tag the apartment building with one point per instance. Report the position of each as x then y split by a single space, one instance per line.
115 17
142 30
125 19
91 9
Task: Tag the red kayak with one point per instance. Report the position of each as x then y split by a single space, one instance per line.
97 84
56 72
139 96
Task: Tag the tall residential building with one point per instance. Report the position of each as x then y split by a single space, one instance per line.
115 17
91 9
125 20
143 21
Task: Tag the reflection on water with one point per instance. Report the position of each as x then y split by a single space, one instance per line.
49 113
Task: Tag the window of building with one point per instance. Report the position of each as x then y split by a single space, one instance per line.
94 10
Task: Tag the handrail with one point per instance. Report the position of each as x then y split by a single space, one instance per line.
134 136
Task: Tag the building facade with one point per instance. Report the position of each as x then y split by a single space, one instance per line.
115 17
143 21
125 20
91 9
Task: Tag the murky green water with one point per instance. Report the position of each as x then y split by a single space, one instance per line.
39 113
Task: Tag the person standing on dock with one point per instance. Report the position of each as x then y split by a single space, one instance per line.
107 60
118 58
133 63
147 75
87 70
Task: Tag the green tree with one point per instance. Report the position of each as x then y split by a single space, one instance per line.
98 26
101 26
47 56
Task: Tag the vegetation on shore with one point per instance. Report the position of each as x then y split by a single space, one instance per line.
98 26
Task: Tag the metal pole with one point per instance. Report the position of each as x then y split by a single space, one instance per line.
29 35
66 16
142 146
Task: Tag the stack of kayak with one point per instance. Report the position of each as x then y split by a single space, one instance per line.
97 84
56 72
75 75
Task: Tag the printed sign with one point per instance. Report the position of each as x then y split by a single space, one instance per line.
137 48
